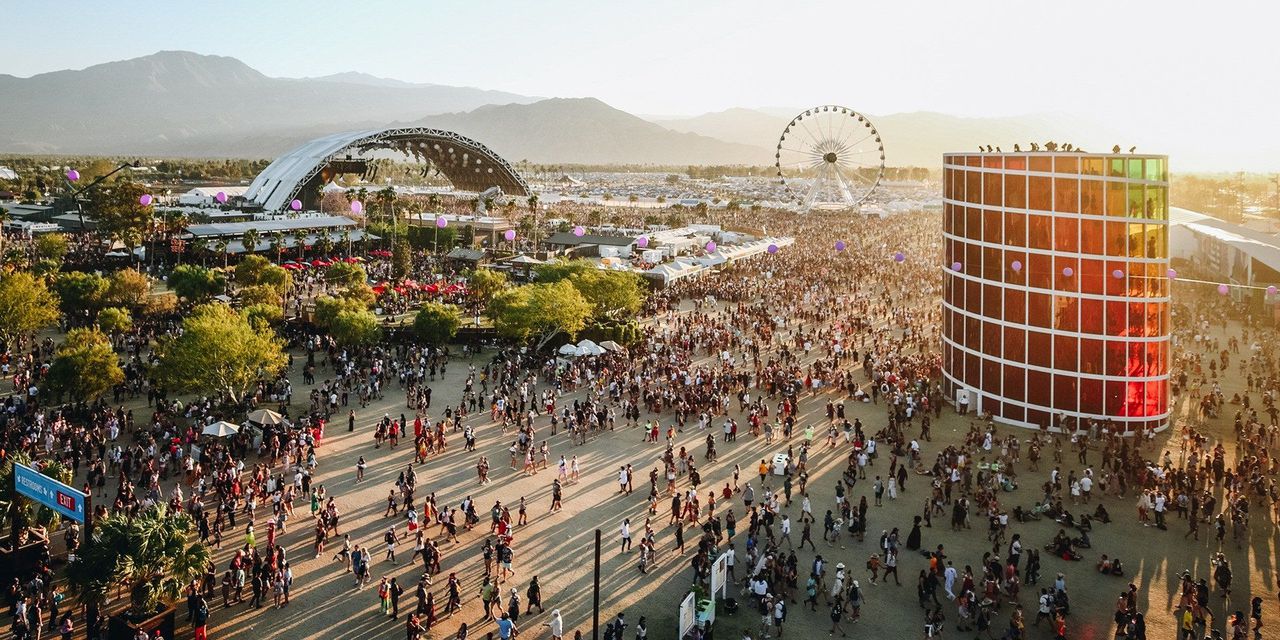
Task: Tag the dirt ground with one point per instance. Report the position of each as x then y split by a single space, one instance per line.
558 547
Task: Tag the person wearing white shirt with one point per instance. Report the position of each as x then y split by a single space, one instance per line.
950 580
626 534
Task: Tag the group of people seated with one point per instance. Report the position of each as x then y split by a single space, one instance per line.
1110 566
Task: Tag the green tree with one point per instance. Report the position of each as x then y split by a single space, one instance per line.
263 314
250 240
153 554
120 213
401 261
249 271
51 246
557 271
486 283
259 294
612 294
219 350
115 320
129 288
345 273
355 328
436 323
84 366
82 293
195 283
540 312
26 306
328 307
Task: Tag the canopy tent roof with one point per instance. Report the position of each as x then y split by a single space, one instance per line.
264 227
1260 246
469 165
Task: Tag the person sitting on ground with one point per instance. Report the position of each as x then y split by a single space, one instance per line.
1110 566
1101 514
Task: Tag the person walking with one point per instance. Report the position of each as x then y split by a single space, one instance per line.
626 535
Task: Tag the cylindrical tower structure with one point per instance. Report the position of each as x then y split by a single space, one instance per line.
1056 294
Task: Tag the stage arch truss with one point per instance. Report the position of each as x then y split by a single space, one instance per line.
467 164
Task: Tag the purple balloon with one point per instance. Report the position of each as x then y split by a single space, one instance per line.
1068 271
1117 274
73 175
840 245
1173 274
357 206
711 246
899 256
1224 289
296 205
509 234
220 197
145 200
1016 266
579 231
955 266
773 248
642 241
1271 290
441 222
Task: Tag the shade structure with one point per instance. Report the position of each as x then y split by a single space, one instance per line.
568 349
588 348
609 345
221 429
265 417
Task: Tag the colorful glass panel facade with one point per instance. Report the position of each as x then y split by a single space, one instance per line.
1060 306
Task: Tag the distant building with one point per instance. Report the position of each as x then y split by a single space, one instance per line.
1037 326
8 174
207 196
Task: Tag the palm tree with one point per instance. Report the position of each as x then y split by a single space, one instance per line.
152 554
277 243
300 238
201 246
220 245
250 240
433 202
346 240
4 217
325 244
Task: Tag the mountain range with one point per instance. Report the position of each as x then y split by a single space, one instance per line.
177 103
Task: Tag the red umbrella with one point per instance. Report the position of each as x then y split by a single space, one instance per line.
319 263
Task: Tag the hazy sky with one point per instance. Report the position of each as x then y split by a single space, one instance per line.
1197 77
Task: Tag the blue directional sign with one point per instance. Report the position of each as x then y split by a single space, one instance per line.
68 502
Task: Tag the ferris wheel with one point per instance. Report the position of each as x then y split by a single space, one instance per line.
829 158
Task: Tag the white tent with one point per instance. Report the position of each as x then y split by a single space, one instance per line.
221 429
568 349
588 348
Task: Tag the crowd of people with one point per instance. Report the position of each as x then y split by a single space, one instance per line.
828 357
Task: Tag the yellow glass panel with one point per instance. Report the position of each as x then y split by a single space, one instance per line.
1137 207
1091 166
1137 240
1116 195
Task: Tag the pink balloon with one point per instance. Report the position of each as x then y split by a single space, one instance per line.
1224 289
145 200
441 222
1017 265
73 175
642 241
1117 274
840 245
509 234
296 205
579 231
220 197
899 256
1068 271
773 248
1271 290
356 206
1173 274
955 266
711 246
